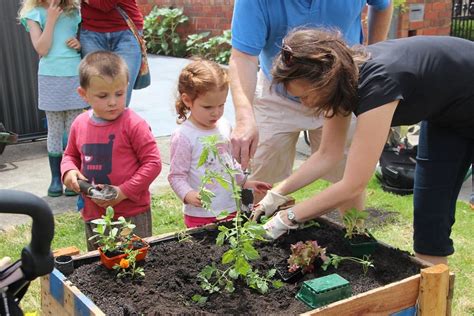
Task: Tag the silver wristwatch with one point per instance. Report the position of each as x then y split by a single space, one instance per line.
291 216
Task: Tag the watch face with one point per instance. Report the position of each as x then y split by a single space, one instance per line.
291 215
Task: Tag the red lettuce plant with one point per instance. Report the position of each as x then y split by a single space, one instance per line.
303 255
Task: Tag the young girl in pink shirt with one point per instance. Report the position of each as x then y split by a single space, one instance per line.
202 91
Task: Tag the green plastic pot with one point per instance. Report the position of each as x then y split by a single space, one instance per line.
361 249
324 290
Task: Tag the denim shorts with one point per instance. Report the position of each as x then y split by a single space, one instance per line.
123 43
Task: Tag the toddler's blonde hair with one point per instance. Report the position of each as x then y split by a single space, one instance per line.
101 63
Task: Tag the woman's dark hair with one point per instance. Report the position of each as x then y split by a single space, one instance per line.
322 58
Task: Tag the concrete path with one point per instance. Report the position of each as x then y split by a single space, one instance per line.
24 166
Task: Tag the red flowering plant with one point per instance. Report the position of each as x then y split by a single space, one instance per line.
304 254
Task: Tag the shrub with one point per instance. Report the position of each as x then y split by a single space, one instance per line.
161 36
216 48
159 31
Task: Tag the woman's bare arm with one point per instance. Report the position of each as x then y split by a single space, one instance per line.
368 142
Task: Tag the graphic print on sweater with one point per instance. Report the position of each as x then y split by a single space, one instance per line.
98 161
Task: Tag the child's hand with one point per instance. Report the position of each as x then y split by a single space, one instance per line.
193 198
120 197
54 11
74 43
258 186
70 180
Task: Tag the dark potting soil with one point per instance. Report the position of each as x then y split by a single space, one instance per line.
171 268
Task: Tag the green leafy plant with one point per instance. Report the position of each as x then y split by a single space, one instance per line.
241 236
335 260
399 4
216 48
112 235
160 31
128 265
195 44
183 236
304 254
354 222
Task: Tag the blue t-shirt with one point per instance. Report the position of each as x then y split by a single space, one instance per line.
258 26
61 60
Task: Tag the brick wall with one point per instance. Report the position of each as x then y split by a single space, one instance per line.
436 19
215 16
204 15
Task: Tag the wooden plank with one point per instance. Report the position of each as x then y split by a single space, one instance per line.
434 290
67 251
78 303
450 294
385 300
49 305
73 302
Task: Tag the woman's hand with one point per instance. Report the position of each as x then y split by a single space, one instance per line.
74 43
193 199
269 204
258 186
70 180
276 227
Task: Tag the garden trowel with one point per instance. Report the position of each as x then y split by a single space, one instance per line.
103 192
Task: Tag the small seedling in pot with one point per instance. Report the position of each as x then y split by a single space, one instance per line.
115 239
112 235
354 221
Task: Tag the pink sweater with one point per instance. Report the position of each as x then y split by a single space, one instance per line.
184 176
121 152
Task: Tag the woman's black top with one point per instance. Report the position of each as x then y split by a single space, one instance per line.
432 76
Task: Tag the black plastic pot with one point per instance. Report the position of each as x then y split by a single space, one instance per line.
285 275
64 264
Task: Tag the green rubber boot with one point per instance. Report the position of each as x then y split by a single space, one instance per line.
56 187
68 192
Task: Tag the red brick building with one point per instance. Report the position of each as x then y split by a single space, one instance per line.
419 17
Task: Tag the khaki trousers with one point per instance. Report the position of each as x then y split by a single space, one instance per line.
279 122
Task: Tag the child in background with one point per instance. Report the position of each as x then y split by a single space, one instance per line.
53 28
111 144
202 91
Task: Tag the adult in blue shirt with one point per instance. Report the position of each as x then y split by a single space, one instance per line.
258 27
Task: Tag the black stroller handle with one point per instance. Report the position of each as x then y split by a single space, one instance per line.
36 259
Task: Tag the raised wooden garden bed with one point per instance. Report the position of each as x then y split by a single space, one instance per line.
432 288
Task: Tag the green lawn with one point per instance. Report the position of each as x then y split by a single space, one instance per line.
167 217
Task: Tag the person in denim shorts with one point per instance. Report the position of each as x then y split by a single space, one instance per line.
103 28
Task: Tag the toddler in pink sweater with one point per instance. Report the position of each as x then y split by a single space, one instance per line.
202 91
111 144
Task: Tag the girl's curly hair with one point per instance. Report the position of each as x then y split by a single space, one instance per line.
197 78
